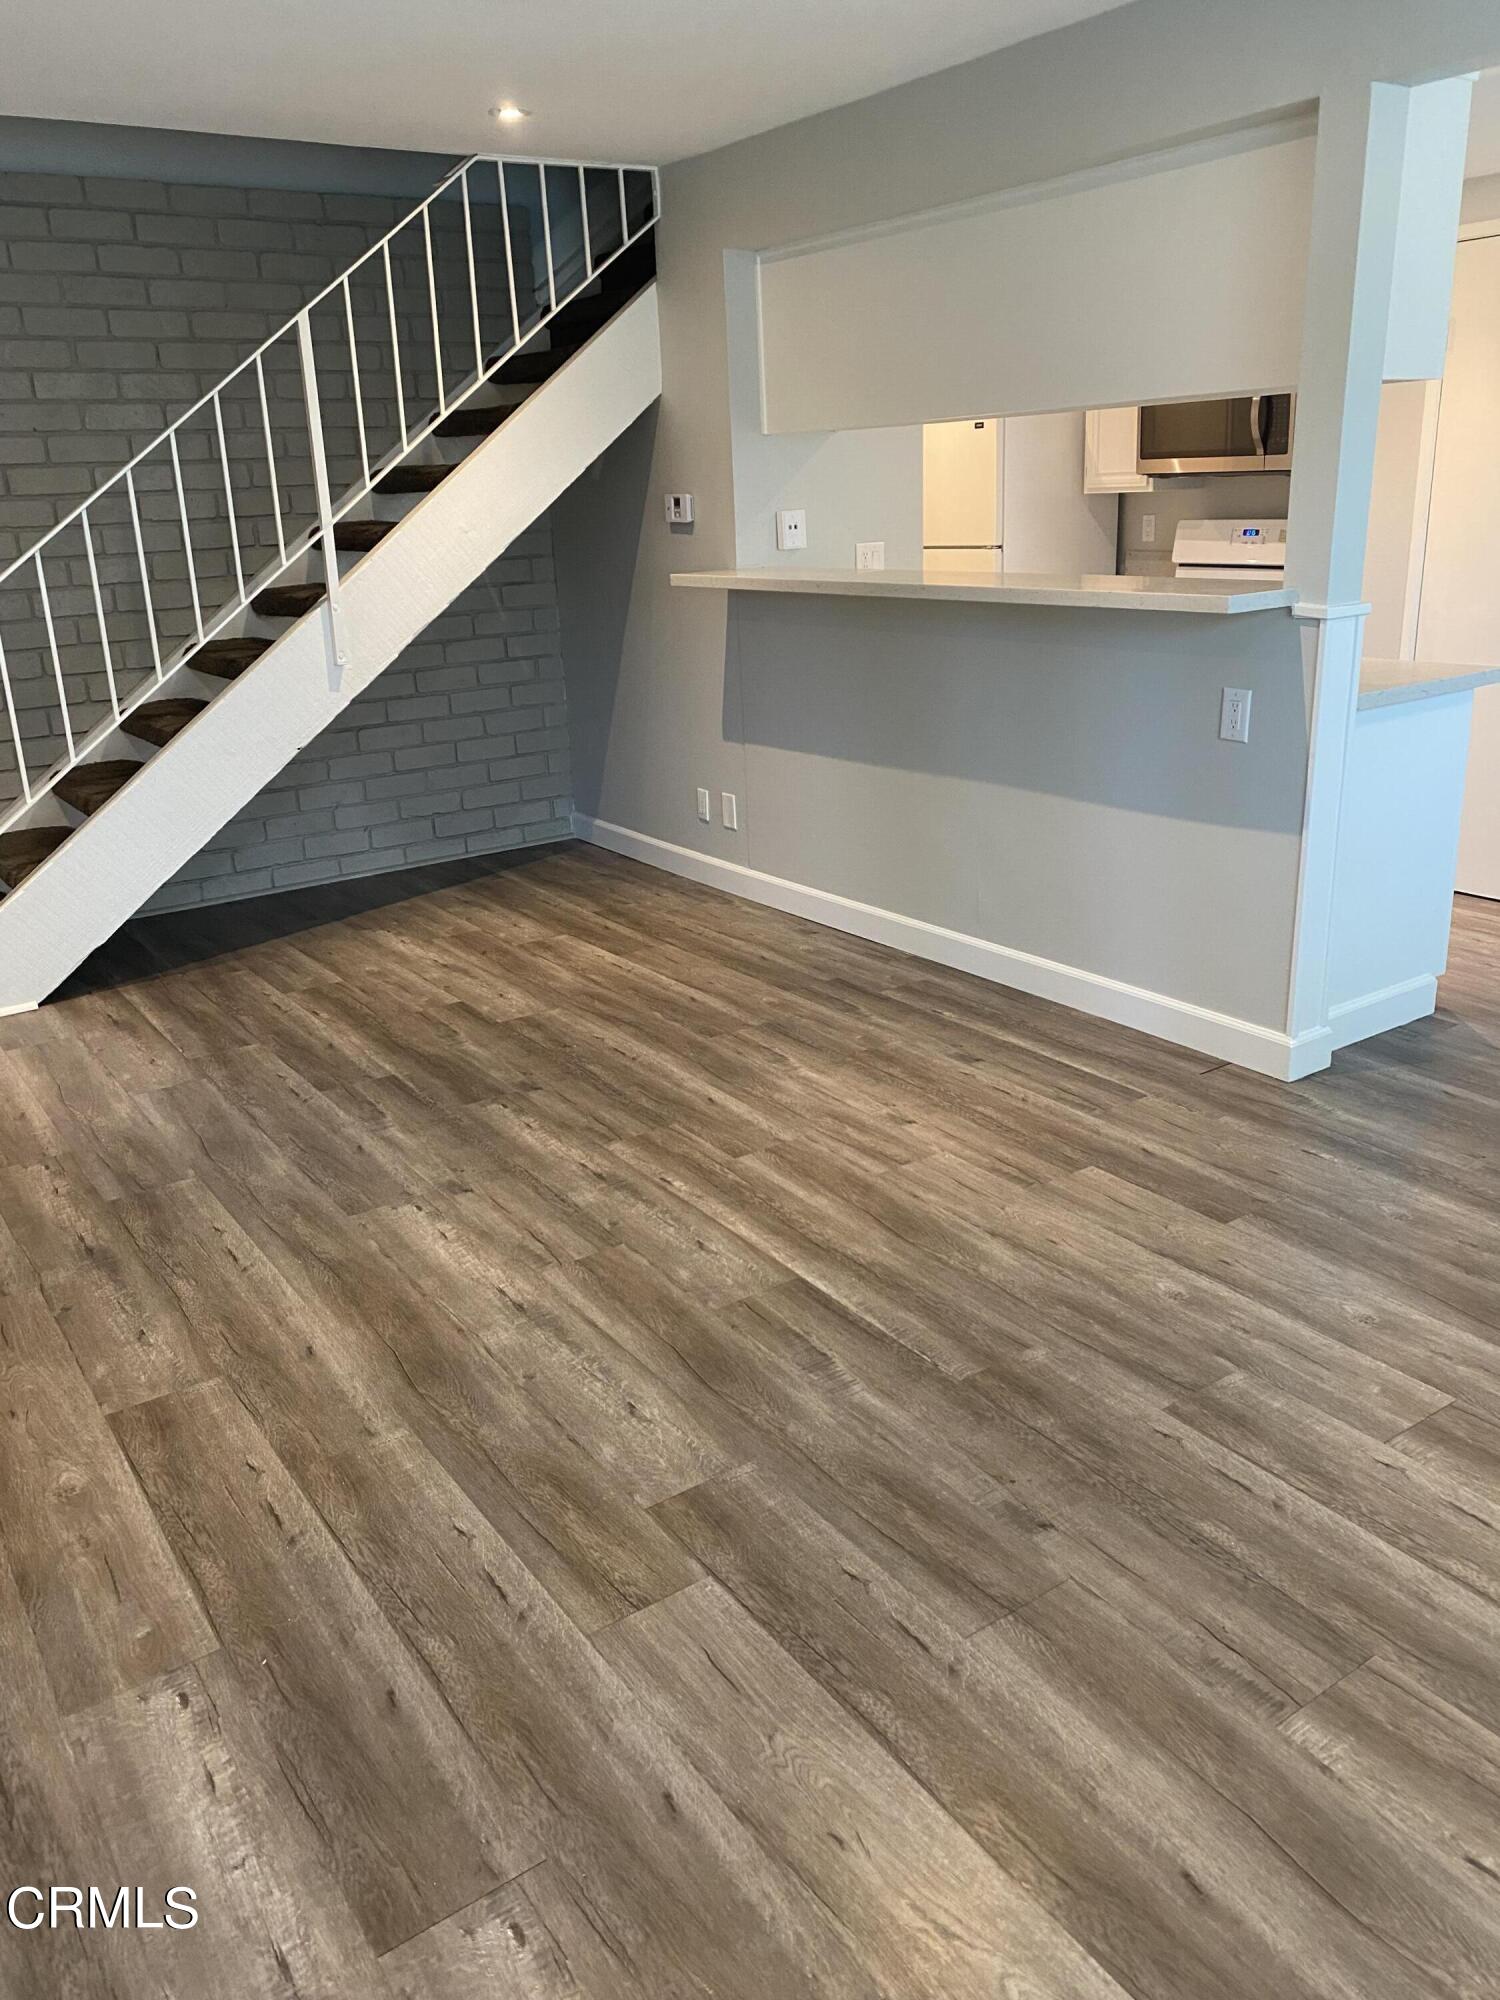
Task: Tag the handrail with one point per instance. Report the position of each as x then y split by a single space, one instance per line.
205 624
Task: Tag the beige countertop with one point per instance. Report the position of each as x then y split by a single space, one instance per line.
1105 593
1387 683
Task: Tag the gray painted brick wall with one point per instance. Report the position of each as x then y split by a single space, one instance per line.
123 301
460 747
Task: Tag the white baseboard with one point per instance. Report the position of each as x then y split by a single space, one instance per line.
1374 1013
1268 1050
25 1007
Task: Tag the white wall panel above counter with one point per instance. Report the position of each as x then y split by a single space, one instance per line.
1197 264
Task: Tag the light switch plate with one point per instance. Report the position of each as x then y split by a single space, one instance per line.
679 510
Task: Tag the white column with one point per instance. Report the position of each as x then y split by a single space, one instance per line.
1378 210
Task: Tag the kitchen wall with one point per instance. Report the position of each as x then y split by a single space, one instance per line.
912 764
1221 496
122 301
1050 523
853 486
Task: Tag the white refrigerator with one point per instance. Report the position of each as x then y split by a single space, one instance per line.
1007 493
963 494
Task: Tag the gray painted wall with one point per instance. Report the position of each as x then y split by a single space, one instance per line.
983 765
122 301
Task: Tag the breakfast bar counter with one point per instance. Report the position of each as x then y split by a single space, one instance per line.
1198 595
1392 683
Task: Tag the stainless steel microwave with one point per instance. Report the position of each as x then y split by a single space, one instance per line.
1228 434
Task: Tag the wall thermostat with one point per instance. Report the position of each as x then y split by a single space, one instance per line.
679 509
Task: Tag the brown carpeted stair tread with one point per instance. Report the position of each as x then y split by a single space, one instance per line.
619 281
355 537
413 478
159 721
582 320
225 659
88 786
478 420
288 600
532 367
26 849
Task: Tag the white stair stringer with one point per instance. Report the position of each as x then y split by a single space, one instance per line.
138 840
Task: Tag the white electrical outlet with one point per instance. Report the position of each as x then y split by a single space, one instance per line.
791 528
731 811
1234 715
679 510
869 555
705 805
1148 527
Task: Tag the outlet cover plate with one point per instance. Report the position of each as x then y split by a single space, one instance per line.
1234 715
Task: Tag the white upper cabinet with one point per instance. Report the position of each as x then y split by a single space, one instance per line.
1110 451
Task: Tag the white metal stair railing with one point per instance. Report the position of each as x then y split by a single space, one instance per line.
589 216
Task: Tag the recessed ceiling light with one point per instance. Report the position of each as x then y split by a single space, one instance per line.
508 114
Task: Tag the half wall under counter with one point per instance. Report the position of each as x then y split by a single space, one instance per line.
1198 595
1074 826
1397 854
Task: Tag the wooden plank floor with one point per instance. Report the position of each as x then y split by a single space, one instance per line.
567 1436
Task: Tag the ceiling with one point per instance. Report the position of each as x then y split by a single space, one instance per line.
618 80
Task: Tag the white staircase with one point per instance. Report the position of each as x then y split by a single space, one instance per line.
156 743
